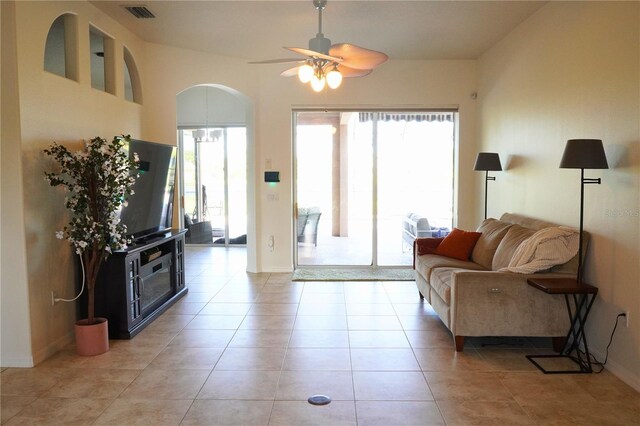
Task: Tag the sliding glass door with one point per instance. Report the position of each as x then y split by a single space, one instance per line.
415 180
214 185
359 176
334 196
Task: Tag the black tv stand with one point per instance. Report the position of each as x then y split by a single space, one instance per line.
138 284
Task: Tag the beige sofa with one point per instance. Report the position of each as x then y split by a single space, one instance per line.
473 299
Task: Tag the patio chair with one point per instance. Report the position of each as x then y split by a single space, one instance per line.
197 233
312 227
302 224
308 219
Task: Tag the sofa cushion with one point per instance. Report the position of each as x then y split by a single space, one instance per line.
427 263
493 231
515 235
458 244
441 282
548 247
571 267
526 221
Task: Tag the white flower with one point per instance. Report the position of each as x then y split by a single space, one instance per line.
114 178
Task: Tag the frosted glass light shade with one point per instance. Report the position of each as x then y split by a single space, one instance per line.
199 134
305 73
334 78
317 83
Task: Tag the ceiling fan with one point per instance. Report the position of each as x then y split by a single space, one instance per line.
327 64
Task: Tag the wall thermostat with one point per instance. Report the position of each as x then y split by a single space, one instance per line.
272 176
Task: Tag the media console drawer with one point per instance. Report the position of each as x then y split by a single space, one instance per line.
154 266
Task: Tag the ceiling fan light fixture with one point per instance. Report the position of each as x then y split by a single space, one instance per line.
334 78
317 83
327 64
305 73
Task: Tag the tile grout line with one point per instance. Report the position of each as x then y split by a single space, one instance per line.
286 351
416 358
217 361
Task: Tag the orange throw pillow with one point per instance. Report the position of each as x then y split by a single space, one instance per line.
458 244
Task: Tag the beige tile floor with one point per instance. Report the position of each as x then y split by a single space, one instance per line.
250 349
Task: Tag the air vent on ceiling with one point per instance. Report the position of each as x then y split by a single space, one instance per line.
140 12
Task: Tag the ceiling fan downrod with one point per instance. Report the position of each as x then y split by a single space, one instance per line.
320 5
320 43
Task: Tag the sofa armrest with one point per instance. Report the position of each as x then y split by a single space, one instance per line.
494 303
422 246
426 245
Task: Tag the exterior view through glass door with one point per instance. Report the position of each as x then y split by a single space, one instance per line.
214 185
367 183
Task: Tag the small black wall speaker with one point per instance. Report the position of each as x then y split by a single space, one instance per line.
272 176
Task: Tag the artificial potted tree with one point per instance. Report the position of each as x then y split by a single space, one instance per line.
97 181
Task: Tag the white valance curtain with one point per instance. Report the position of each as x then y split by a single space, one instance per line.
403 116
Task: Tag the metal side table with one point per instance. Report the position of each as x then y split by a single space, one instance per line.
583 296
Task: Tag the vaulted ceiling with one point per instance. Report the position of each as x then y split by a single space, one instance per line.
258 30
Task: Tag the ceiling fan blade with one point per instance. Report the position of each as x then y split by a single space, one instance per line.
276 61
348 72
307 52
357 57
290 72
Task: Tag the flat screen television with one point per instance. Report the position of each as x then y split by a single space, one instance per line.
149 209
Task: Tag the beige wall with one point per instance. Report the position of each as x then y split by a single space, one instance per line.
55 108
572 71
15 325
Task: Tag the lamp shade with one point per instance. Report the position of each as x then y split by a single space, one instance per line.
584 154
488 161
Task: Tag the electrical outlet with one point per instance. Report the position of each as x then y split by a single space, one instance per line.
271 244
626 319
53 297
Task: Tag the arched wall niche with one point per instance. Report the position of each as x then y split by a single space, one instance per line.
132 84
61 47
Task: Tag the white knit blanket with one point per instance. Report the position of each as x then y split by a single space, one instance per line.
546 248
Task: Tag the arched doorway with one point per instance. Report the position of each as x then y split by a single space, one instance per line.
215 138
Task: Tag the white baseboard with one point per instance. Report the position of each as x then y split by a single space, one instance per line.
619 371
53 348
279 271
17 362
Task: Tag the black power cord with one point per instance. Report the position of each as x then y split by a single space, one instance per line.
594 361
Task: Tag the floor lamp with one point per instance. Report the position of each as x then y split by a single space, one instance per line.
487 161
583 154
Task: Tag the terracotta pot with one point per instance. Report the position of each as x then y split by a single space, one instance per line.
92 339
